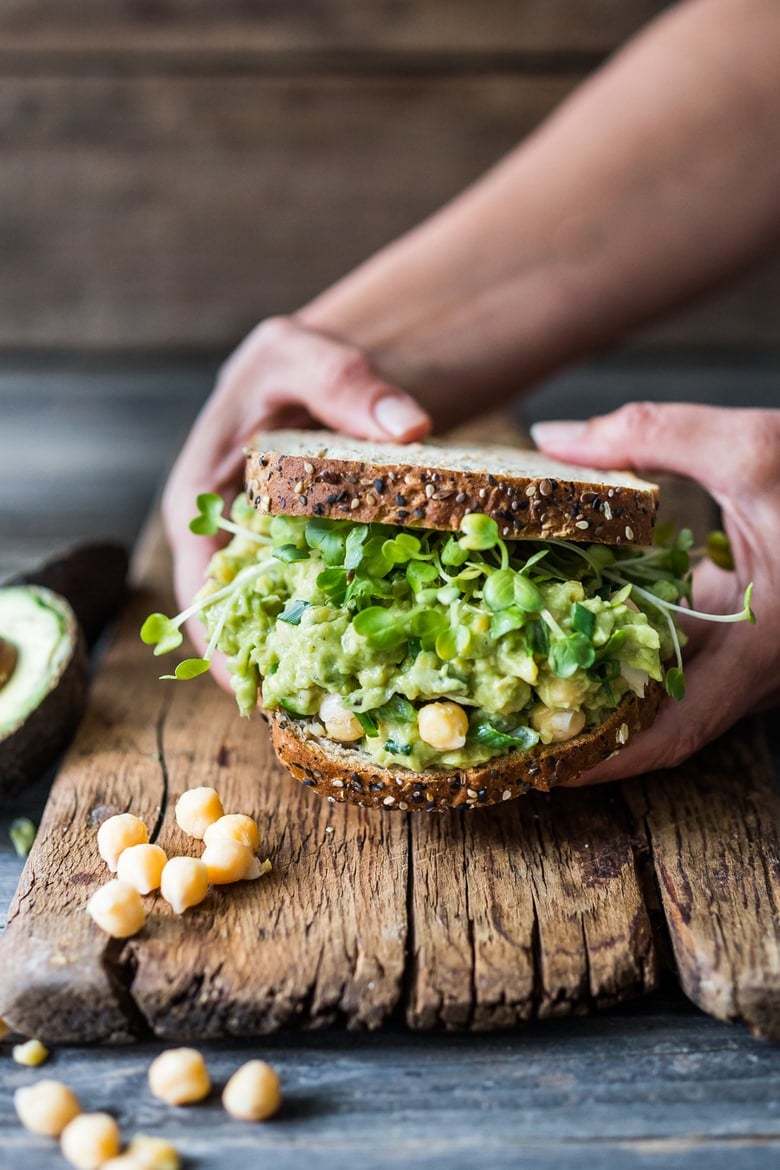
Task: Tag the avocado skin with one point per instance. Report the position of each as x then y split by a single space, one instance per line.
92 577
37 741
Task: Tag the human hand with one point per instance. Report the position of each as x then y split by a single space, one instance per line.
282 374
731 670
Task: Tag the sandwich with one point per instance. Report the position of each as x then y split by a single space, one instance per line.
430 626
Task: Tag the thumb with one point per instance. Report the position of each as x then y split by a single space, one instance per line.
700 442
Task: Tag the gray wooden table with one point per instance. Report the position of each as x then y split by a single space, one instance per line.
655 1084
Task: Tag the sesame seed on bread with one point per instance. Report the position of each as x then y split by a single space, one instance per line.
342 772
434 485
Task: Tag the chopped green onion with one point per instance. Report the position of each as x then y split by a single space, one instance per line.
368 723
293 612
398 749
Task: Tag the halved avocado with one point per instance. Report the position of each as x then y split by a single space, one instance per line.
44 661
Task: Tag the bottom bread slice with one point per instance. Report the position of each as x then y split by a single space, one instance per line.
343 773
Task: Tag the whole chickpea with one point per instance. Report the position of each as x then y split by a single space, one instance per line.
141 866
444 725
90 1140
117 909
196 809
237 827
179 1076
253 1092
117 834
184 883
46 1107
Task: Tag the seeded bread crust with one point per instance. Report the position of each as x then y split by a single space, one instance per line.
431 485
344 774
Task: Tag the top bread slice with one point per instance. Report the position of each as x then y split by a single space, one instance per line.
434 485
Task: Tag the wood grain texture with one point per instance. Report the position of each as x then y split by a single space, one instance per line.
715 836
175 211
546 906
655 1089
548 913
188 208
194 27
535 909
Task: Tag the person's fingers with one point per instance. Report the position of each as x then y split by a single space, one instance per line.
720 690
722 449
282 362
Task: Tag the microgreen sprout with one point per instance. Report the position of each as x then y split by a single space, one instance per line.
558 608
210 519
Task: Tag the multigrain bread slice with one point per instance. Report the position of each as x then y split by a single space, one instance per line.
345 774
431 485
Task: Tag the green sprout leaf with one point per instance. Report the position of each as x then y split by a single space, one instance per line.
293 612
480 532
583 620
398 710
328 538
567 655
519 738
419 574
748 612
527 595
189 668
379 627
450 643
499 590
333 583
719 551
210 507
508 619
428 623
22 832
453 555
356 538
675 682
401 549
161 632
290 552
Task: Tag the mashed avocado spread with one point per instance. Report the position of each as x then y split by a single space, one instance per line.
533 640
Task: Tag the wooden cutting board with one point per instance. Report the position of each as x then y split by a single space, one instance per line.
549 905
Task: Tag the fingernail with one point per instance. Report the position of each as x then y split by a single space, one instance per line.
399 416
557 434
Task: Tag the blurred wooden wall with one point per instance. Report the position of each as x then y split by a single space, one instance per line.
173 170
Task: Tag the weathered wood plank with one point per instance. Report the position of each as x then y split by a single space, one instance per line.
176 212
666 1088
124 28
319 941
534 909
537 909
714 829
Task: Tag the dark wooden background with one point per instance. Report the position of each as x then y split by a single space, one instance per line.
173 170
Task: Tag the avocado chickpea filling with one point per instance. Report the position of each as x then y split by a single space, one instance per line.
430 649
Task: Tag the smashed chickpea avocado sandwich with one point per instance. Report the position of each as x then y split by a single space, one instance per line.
427 626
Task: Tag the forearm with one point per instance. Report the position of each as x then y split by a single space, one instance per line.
655 179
